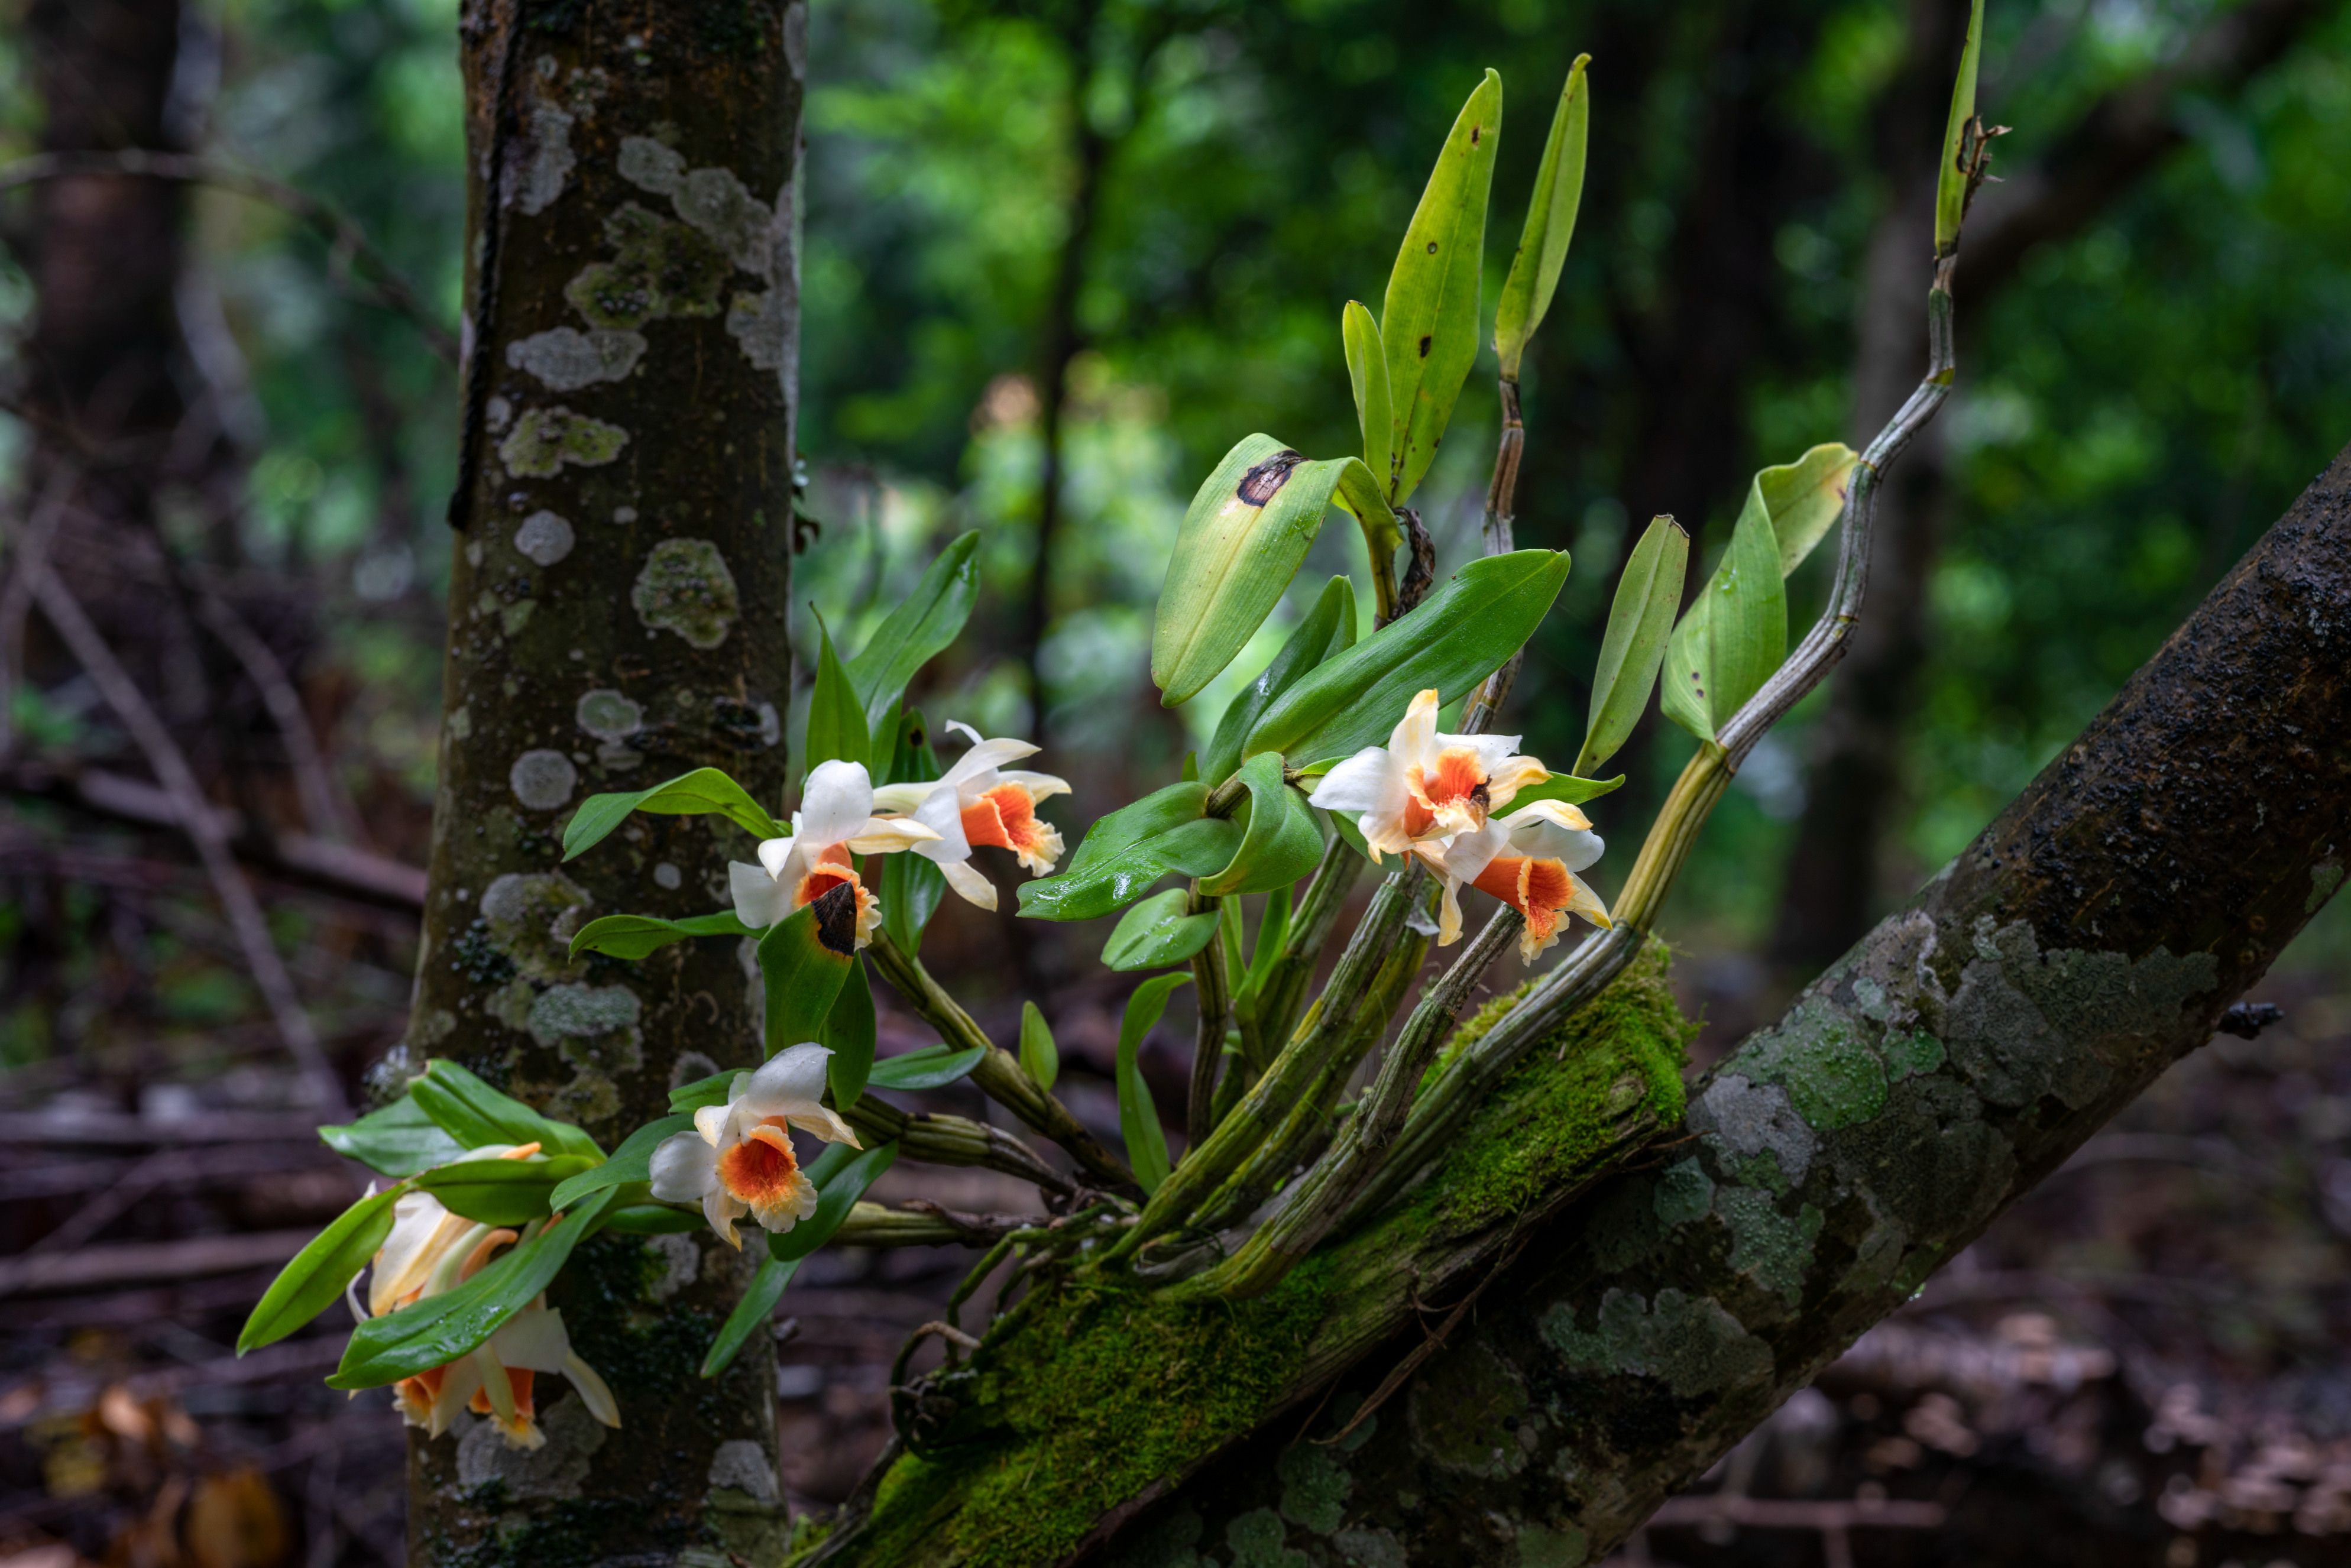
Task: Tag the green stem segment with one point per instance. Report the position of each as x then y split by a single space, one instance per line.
937 1138
999 1075
1212 990
1501 504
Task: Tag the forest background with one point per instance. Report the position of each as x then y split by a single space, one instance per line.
1056 256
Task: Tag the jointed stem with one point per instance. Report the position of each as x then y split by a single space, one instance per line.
1502 503
1212 990
937 1138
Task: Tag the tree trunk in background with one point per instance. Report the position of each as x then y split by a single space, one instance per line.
617 615
1855 781
1953 1058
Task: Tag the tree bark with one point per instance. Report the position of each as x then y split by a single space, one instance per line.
2088 939
617 616
1854 779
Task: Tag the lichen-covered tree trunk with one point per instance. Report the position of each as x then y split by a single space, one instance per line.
1960 1053
617 615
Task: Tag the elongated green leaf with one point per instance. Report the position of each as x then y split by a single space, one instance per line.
705 791
632 1160
1138 1117
750 1314
1568 788
1747 615
837 727
1242 538
1550 222
1367 373
849 1030
1428 323
1039 1058
1790 507
931 1067
1952 181
502 1192
912 886
1127 851
1455 639
838 1190
439 1329
1329 629
1804 498
399 1140
1272 931
319 1273
804 961
474 1113
917 631
1157 932
634 936
1280 843
1634 647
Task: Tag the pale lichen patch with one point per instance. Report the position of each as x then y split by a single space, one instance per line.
744 1465
544 439
1747 1119
544 537
608 715
530 917
566 358
542 780
1688 1342
685 587
557 1469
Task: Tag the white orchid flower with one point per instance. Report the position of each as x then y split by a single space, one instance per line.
1423 787
1529 861
835 821
430 1251
980 802
738 1160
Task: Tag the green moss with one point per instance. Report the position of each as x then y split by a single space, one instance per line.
544 439
1558 1110
658 269
1833 1076
1093 1395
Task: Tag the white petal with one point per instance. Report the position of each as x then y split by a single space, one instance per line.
904 797
532 1338
1582 901
987 756
944 816
684 1168
957 726
1371 780
721 1208
1489 749
1471 853
883 835
775 855
837 802
1414 739
791 1077
825 1124
760 899
711 1120
1539 834
1040 786
593 1391
967 881
416 1245
458 1381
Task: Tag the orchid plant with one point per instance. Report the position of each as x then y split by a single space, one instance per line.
1346 753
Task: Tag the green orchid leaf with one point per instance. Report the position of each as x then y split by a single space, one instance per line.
632 937
837 727
1551 224
1241 541
804 961
838 1186
1428 323
1634 647
710 1091
705 791
912 886
1272 931
921 626
502 1192
849 1029
1127 851
320 1272
1951 179
1039 1058
1138 1117
1157 934
1367 373
439 1329
1329 629
931 1067
1804 498
652 1219
632 1160
1455 639
1280 843
476 1114
397 1141
750 1314
1566 786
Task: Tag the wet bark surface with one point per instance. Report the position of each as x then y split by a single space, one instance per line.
2087 940
618 616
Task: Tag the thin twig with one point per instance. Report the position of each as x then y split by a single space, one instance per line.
325 806
197 819
30 556
344 238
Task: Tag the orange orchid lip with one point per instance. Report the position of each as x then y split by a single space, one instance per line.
760 1170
